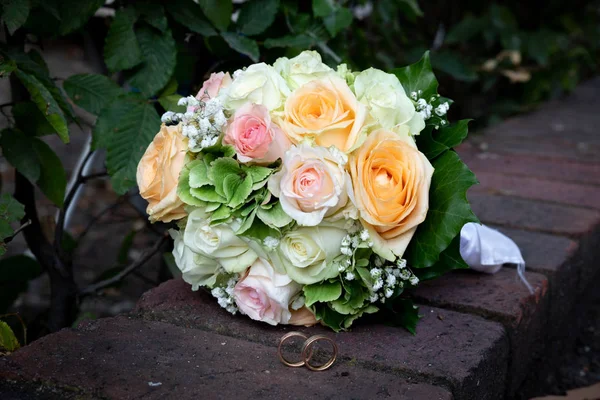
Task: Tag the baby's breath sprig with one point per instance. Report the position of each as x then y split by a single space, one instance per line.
224 295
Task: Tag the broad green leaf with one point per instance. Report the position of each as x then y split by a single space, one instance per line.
432 142
301 41
329 317
220 169
337 21
221 214
16 148
30 120
257 173
242 190
92 92
15 13
6 66
121 47
10 211
256 16
8 340
274 217
450 259
160 54
46 103
448 211
199 175
401 312
218 12
418 76
183 187
242 45
107 123
53 178
260 231
189 14
76 13
322 8
128 137
153 13
169 103
207 193
322 292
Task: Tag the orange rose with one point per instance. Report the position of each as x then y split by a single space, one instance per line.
391 180
326 111
158 174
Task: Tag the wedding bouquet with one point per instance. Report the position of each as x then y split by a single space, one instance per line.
305 194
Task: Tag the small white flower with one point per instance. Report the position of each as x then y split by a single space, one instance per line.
375 272
374 298
378 284
413 95
220 119
391 280
414 280
349 276
442 109
378 261
192 101
271 243
346 241
182 102
405 274
389 292
167 117
364 235
401 263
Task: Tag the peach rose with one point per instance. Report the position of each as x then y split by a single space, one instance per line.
265 295
325 111
312 183
254 137
158 174
303 317
391 180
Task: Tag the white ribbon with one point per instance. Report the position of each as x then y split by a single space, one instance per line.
486 250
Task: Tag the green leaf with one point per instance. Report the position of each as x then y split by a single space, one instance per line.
329 317
418 76
160 54
450 259
7 66
207 193
401 312
218 12
169 103
337 21
466 29
15 13
189 14
258 173
10 211
92 92
322 292
153 13
127 134
30 120
53 178
199 175
413 6
220 169
221 214
8 340
256 16
46 103
242 45
448 211
241 192
301 41
322 8
76 13
183 187
16 148
274 217
433 142
121 47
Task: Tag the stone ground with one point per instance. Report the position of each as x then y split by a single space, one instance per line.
481 337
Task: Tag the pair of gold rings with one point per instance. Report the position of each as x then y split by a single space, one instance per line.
307 351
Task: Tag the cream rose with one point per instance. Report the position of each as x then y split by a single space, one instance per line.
327 112
387 101
217 241
196 269
258 84
391 180
255 138
158 174
312 183
303 68
265 295
307 253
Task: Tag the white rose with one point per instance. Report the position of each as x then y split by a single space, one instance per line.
265 295
258 84
303 68
387 101
217 241
307 253
312 183
196 269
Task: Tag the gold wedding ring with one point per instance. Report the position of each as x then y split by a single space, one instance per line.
307 351
280 353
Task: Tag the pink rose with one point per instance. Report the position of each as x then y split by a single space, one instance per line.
255 138
211 86
265 295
